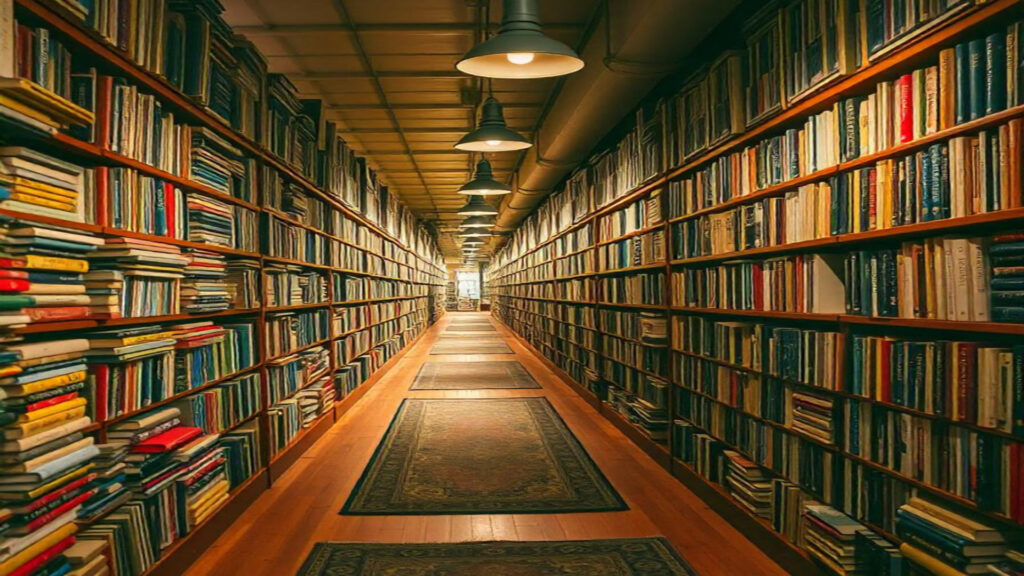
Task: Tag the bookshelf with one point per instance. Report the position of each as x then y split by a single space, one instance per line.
759 268
249 278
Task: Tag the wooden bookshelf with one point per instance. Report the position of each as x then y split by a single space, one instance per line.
413 277
535 320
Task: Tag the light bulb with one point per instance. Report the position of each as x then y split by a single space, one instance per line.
494 142
521 58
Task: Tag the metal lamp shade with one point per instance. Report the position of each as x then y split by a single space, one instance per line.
492 135
477 222
474 233
520 50
484 184
477 206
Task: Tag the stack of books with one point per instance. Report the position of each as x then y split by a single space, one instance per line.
830 537
242 284
41 273
220 165
138 278
293 285
210 221
46 469
942 541
1006 256
37 183
89 558
812 415
110 490
749 484
201 481
204 290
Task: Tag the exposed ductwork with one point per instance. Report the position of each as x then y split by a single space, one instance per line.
648 40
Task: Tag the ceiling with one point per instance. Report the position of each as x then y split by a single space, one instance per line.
386 72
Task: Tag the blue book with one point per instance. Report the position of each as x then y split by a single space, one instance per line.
927 184
963 84
976 75
1008 283
995 73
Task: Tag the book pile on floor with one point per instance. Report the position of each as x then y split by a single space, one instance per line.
138 277
42 273
203 289
46 469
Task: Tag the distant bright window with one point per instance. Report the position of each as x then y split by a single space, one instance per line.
469 284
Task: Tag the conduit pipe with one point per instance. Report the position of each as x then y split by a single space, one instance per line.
648 39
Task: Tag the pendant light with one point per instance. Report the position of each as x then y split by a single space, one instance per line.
492 134
474 233
477 206
472 242
483 183
477 222
520 50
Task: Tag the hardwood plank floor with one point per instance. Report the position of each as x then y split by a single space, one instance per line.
277 532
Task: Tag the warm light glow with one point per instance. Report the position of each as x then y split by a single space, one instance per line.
494 142
520 58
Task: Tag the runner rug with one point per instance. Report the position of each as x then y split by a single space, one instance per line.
480 456
473 376
625 557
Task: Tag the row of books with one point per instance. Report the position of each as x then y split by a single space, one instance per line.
641 250
350 318
289 374
579 289
634 217
287 331
288 285
646 287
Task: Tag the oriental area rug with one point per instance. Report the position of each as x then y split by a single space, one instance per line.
625 557
473 376
480 456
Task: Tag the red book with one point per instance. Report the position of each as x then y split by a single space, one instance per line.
104 93
169 208
52 313
101 374
905 91
54 495
43 559
50 401
19 274
1014 237
50 516
167 441
758 295
12 285
967 357
12 262
886 375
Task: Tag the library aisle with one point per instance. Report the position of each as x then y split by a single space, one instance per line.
277 533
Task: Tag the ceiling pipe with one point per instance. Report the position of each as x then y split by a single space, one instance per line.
649 38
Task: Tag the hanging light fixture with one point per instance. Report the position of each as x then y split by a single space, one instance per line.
520 50
492 134
477 206
474 233
483 183
477 222
472 242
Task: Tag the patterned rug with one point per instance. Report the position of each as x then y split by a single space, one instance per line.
626 557
470 328
480 456
473 376
484 344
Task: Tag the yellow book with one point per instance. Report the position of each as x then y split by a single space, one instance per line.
27 111
929 563
48 541
58 108
28 197
46 383
45 190
51 410
53 263
28 428
220 487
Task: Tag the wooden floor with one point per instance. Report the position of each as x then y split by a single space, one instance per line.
277 532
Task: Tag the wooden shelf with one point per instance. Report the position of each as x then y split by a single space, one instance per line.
632 269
